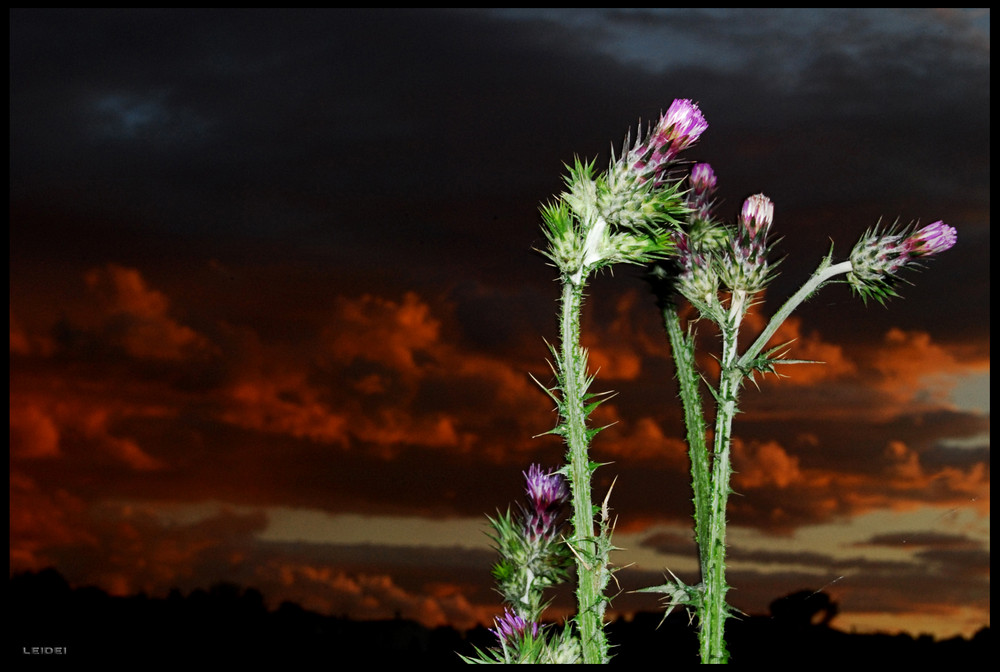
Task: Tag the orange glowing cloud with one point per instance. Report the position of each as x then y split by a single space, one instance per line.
363 377
767 464
33 432
372 595
898 480
393 354
616 348
24 343
614 362
137 317
39 424
643 439
383 331
134 550
906 373
284 404
393 427
831 362
913 482
915 370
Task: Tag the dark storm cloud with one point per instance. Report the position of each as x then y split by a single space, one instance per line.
385 130
373 138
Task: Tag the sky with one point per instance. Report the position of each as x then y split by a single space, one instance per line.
276 301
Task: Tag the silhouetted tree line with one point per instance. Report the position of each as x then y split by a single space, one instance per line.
230 624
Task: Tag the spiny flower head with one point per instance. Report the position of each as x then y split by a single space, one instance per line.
511 628
607 219
745 266
547 493
638 192
932 239
523 641
702 180
697 279
626 214
878 257
757 214
679 128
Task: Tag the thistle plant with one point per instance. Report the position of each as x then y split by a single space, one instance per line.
533 557
628 214
721 272
647 208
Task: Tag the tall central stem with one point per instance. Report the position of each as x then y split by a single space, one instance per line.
590 566
683 349
713 555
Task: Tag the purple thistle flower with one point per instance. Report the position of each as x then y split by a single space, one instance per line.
682 125
544 490
547 492
931 239
699 199
703 179
757 215
679 128
511 627
878 257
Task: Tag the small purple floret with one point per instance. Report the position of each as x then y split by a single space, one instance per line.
932 239
757 215
678 128
703 178
547 492
511 627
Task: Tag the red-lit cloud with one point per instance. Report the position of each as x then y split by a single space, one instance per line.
383 374
136 318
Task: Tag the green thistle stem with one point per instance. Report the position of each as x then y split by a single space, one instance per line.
590 570
711 634
820 276
712 484
683 348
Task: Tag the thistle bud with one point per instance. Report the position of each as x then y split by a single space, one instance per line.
679 128
703 179
746 267
878 257
697 279
757 215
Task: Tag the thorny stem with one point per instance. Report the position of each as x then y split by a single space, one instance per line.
694 419
711 634
590 601
821 275
711 484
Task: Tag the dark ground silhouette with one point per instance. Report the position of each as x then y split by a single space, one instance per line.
51 621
